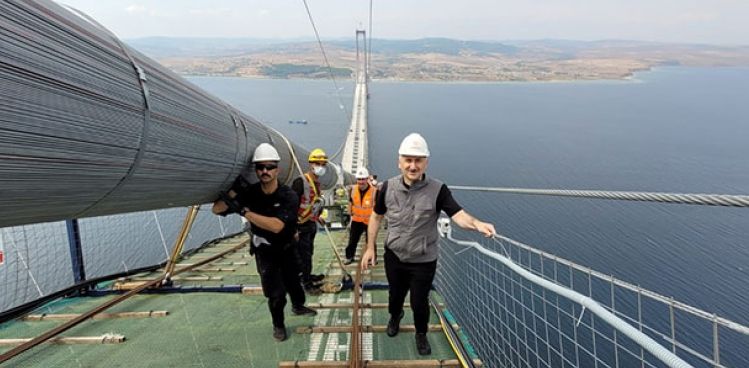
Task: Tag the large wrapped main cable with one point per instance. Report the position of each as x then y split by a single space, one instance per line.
90 127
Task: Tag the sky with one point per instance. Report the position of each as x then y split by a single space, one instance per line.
721 22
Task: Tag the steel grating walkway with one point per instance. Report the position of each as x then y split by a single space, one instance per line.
218 329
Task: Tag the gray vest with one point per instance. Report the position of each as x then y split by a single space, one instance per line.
412 219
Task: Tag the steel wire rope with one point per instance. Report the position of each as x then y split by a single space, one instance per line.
369 45
726 200
76 113
346 113
345 274
145 91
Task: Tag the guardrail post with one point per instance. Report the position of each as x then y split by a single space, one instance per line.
76 251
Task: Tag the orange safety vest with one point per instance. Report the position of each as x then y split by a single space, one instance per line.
361 208
310 204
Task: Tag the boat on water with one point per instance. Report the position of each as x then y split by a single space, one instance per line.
497 302
298 122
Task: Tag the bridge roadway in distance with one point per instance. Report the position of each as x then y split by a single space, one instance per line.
355 150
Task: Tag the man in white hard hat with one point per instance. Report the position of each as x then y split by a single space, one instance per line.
412 203
360 207
271 209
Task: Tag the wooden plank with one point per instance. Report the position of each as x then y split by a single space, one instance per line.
136 282
379 266
216 264
65 316
252 290
82 340
364 328
349 305
337 273
108 304
217 269
427 363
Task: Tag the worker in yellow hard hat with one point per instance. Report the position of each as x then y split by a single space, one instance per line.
308 189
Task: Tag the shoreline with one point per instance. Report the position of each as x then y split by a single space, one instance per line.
633 77
626 78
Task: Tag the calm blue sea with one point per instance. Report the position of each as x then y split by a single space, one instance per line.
671 130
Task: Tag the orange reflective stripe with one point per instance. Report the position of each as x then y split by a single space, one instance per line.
306 203
361 208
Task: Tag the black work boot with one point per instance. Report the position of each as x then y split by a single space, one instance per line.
422 344
394 325
301 310
279 333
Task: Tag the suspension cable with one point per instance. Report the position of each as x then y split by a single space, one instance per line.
682 198
368 45
327 63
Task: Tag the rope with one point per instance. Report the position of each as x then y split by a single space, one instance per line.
291 150
726 200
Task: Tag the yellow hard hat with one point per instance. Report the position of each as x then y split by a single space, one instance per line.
318 156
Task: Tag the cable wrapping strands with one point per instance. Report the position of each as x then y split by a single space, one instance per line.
73 119
699 199
643 340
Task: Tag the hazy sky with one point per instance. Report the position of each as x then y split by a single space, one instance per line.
702 21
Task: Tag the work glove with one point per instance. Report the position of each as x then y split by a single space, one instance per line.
234 206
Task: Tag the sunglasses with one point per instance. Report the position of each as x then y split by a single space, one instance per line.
269 167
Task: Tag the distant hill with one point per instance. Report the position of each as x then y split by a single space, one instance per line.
445 46
439 59
158 47
174 47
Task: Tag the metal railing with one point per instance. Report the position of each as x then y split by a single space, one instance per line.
530 308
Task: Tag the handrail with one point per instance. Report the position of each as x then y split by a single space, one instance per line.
645 341
632 287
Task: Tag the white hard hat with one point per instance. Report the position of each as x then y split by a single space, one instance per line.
265 152
414 145
362 173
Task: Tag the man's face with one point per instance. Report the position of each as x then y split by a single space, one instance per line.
412 167
313 165
362 183
266 171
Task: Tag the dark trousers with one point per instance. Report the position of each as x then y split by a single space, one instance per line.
357 228
306 248
279 274
414 277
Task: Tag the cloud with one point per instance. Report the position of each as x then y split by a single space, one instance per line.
210 11
697 17
263 12
136 9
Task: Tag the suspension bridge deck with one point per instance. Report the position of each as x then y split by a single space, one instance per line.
218 328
